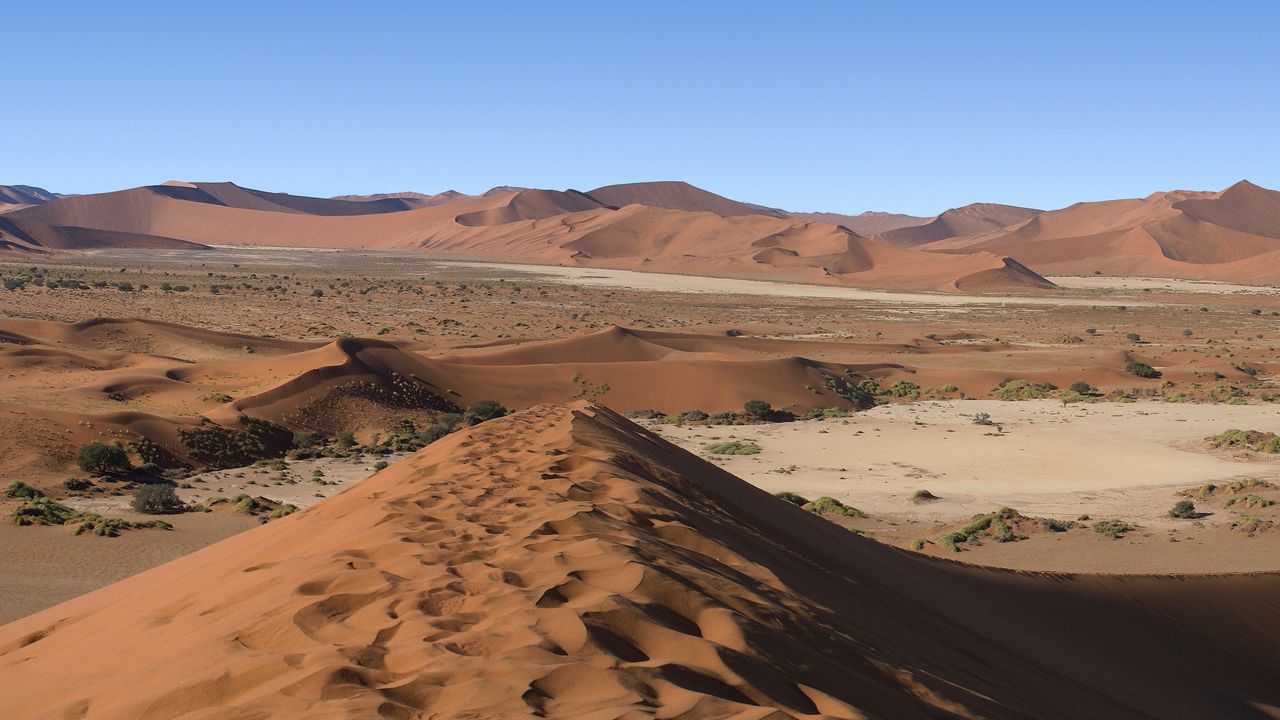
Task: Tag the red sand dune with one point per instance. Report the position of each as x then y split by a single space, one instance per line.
972 219
675 195
708 234
1233 235
563 562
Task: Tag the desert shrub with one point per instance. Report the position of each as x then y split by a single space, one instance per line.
317 293
905 389
918 544
1114 529
1183 509
219 447
831 506
100 459
1053 525
380 465
923 495
1267 442
286 509
484 410
19 489
1251 501
646 414
732 448
76 484
1141 369
995 521
308 440
1133 337
949 388
694 416
860 395
156 500
757 409
792 498
1019 389
1081 387
983 419
345 440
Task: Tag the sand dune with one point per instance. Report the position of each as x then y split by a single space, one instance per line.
705 234
1232 236
674 195
866 224
972 219
564 562
14 197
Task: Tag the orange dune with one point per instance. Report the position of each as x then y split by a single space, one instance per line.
563 562
703 234
675 195
1232 236
972 219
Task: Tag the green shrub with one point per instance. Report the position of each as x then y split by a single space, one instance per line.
380 465
219 447
757 409
694 416
484 410
732 448
905 389
1141 369
831 506
19 489
792 498
1114 529
1183 509
76 484
100 459
156 500
1019 389
1081 387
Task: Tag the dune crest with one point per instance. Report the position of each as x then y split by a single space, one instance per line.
563 562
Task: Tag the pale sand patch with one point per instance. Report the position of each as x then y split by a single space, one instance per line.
1197 287
1103 459
699 284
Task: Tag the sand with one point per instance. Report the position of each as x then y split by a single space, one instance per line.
1104 459
563 562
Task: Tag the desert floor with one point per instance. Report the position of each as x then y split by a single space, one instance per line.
1106 459
1043 458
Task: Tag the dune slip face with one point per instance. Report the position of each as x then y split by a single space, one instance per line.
564 562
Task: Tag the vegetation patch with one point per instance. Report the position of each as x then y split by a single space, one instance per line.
1258 441
997 526
46 511
792 498
732 448
1114 529
1019 389
831 506
217 447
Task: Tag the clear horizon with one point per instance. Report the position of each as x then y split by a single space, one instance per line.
844 108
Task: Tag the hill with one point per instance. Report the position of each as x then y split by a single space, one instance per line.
964 221
564 562
518 225
1233 235
673 195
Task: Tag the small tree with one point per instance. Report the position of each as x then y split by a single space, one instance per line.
757 409
100 459
483 410
1142 370
1183 509
156 499
1133 337
345 440
1081 387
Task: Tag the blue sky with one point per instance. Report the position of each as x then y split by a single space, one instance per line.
843 106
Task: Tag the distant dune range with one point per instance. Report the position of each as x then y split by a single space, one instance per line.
126 379
564 562
666 226
1233 235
